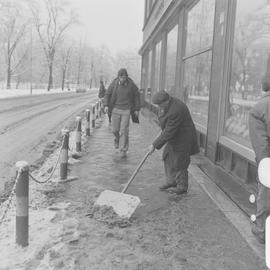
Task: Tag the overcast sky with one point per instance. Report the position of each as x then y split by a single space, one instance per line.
115 23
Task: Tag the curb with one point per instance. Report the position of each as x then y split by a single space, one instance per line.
232 212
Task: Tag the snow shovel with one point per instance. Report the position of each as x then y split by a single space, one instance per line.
123 204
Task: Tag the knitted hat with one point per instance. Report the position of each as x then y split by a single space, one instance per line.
160 97
122 72
266 82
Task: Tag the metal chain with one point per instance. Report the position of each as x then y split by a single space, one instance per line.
10 197
53 170
40 182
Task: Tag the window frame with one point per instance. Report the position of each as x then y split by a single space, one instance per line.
185 56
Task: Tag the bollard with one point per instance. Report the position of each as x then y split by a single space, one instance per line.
93 116
78 134
22 195
100 108
87 127
97 109
64 155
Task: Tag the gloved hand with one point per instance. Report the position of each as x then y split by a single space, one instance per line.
106 109
151 149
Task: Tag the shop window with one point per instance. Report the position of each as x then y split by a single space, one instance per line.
148 6
157 68
171 59
250 60
197 84
200 27
148 76
144 71
198 59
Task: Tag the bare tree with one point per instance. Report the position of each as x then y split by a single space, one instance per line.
80 62
130 60
13 30
51 30
65 59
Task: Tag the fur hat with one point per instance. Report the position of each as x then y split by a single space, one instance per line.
122 72
160 97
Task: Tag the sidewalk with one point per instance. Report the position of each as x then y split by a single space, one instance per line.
166 231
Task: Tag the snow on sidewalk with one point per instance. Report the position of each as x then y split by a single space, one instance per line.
50 229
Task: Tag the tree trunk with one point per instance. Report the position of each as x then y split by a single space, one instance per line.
90 83
8 73
18 82
63 78
50 83
79 73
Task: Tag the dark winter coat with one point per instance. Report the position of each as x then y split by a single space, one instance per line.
259 127
133 95
178 133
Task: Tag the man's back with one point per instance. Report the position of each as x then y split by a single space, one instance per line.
178 126
259 127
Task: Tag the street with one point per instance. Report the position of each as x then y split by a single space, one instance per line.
28 123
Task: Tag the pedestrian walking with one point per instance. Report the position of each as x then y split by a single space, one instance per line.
123 99
179 138
259 133
101 95
102 90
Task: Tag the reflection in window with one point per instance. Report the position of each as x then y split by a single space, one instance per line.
197 84
157 68
200 26
171 59
198 59
250 60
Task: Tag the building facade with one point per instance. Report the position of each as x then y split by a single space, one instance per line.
211 54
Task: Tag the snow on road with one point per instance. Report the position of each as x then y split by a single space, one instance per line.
29 123
7 93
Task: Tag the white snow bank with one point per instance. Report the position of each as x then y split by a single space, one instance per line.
6 93
41 232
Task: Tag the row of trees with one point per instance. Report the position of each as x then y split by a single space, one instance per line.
37 48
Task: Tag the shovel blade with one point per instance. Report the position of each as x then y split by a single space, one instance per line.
123 204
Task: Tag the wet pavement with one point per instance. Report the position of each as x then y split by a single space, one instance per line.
166 231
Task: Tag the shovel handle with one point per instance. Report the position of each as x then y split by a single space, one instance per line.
135 172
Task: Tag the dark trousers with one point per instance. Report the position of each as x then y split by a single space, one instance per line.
175 172
263 208
110 116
